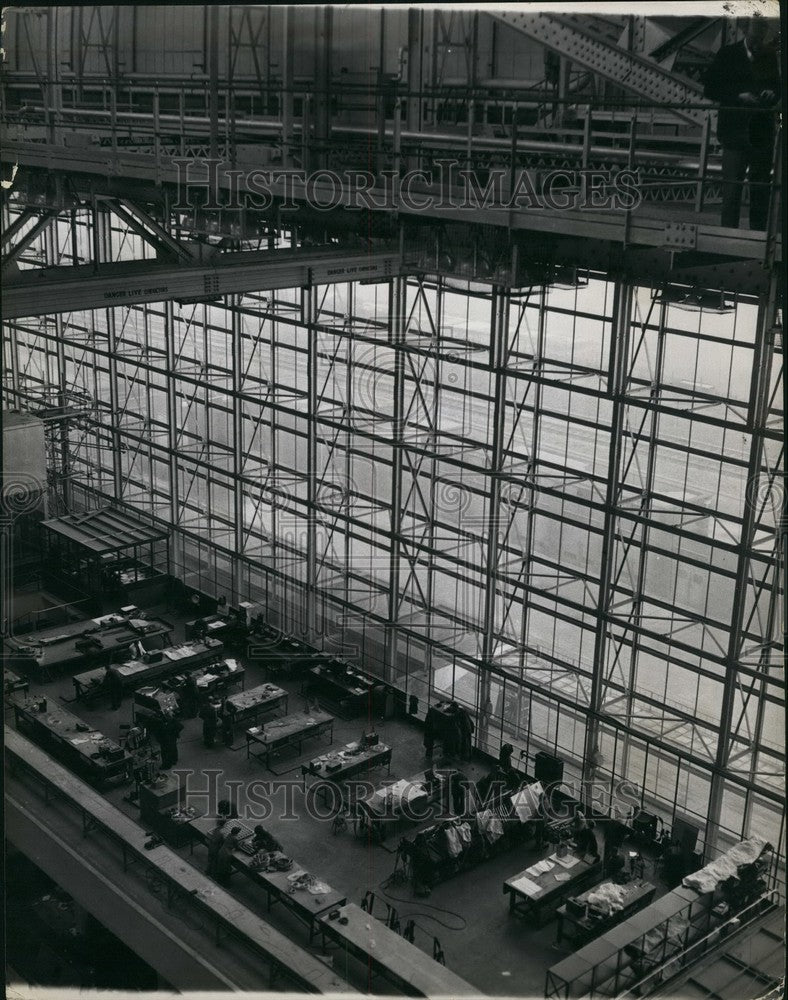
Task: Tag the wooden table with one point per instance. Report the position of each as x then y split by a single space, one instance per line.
404 799
349 688
391 956
136 673
70 739
530 893
211 679
583 928
287 731
153 703
98 639
257 701
351 762
185 885
13 683
215 626
306 906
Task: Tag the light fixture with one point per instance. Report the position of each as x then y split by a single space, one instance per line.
567 278
705 299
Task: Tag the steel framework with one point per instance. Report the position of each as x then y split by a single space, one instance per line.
551 494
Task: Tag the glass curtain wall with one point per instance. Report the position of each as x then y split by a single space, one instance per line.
556 505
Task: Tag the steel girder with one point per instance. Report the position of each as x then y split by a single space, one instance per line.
633 72
68 289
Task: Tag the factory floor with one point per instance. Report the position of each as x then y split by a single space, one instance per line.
468 914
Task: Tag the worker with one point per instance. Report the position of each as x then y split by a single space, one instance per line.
169 731
189 698
465 727
614 864
458 783
264 841
430 728
421 865
227 718
224 857
227 809
215 840
584 836
745 80
210 722
451 731
114 684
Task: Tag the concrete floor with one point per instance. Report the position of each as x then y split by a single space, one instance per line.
498 953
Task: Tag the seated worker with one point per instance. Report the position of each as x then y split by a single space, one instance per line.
226 809
264 841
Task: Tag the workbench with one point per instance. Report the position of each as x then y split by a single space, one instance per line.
582 927
249 705
136 673
340 765
100 640
13 683
532 892
304 905
341 685
390 955
212 680
71 740
287 731
405 799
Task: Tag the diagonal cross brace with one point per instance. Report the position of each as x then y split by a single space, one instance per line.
633 72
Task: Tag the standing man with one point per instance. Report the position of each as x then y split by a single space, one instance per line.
169 732
114 686
224 856
744 80
210 722
227 725
215 841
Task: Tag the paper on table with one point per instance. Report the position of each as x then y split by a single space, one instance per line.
568 862
525 885
540 867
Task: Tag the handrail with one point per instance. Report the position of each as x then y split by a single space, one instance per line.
733 921
191 888
33 616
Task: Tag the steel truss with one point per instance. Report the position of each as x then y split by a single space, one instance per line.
460 473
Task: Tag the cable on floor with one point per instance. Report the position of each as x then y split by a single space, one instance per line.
430 906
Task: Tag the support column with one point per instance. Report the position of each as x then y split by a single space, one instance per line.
622 310
757 418
322 114
396 338
310 317
286 105
499 327
52 89
234 304
212 24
